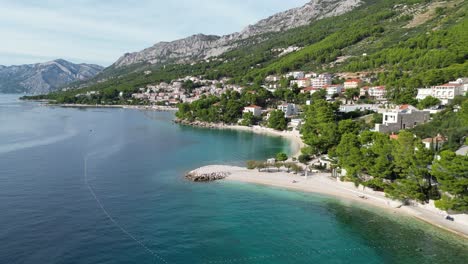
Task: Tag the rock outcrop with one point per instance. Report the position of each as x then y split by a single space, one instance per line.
200 176
45 77
201 46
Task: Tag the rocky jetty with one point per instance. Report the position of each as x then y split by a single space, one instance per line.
201 176
197 123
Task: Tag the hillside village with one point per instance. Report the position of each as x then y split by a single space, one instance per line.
352 95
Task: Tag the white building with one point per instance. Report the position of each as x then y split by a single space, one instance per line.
333 89
445 92
403 117
322 80
310 90
273 78
255 110
462 81
295 74
288 109
296 123
378 92
435 143
301 83
352 83
311 75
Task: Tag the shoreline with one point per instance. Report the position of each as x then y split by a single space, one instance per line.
137 107
323 184
294 136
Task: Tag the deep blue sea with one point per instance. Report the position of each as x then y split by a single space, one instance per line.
107 186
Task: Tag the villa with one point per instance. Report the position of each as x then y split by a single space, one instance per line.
254 109
435 143
288 109
403 117
333 89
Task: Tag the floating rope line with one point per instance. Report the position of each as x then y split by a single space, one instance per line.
109 216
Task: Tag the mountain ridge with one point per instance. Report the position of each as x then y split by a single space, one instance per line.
201 46
44 77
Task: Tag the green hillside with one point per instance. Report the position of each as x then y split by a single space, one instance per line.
408 44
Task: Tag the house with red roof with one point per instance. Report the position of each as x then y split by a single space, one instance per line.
254 109
352 83
310 90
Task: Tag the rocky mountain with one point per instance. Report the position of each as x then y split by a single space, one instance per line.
202 46
45 77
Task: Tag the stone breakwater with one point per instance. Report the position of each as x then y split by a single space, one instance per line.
206 176
198 124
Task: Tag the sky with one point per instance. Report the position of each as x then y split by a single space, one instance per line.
100 31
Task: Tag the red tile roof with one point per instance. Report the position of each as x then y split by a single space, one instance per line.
253 106
353 80
404 107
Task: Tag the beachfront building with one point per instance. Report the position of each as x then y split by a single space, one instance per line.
322 80
352 83
254 109
445 92
333 89
288 109
301 83
435 143
296 123
403 117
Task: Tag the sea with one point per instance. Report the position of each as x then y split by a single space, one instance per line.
84 185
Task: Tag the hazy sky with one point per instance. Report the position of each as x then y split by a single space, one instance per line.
100 31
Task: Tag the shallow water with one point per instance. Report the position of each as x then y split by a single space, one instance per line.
135 166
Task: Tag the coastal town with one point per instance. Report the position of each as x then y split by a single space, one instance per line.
214 132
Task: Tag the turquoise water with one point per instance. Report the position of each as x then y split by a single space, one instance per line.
144 211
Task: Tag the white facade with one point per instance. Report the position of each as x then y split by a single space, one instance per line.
352 84
301 83
311 75
273 78
445 92
334 89
321 81
295 123
295 75
255 110
378 92
288 109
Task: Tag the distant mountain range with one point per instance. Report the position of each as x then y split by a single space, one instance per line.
201 46
45 77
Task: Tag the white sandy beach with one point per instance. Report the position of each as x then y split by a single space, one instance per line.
323 184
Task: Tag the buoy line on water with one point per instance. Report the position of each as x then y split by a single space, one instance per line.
112 219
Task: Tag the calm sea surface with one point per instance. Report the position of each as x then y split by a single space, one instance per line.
129 202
